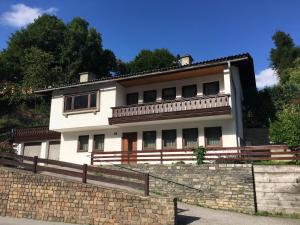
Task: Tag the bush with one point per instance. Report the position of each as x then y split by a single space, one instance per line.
286 129
6 147
200 154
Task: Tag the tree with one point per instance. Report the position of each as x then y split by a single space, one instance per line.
148 60
40 69
286 129
283 55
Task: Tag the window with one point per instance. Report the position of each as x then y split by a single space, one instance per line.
213 136
169 93
149 96
149 140
169 138
80 102
190 137
189 91
68 103
211 88
99 142
132 98
83 143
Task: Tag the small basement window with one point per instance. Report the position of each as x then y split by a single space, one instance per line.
211 88
213 136
79 102
149 140
169 93
83 143
99 142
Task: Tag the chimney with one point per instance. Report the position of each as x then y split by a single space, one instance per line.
86 76
186 60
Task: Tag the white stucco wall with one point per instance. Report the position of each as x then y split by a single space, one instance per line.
113 137
60 122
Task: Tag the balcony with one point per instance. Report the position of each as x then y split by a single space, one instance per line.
34 134
182 108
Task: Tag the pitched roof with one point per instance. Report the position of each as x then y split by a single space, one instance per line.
176 68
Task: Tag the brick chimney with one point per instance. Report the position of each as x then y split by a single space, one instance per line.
86 76
186 60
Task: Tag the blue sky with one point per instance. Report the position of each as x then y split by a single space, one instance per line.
204 29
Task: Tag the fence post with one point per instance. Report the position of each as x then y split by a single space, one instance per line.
128 160
161 157
146 180
84 173
92 158
35 162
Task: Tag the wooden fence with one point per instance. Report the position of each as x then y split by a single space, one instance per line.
219 155
138 181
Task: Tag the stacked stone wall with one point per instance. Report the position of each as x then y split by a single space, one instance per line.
27 195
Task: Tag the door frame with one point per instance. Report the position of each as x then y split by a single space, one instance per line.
127 158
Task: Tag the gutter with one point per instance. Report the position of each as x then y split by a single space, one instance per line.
235 104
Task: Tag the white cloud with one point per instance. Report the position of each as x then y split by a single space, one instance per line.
20 15
266 77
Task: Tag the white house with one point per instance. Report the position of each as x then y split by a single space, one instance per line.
180 107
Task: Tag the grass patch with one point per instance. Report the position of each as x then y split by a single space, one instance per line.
158 193
278 214
98 174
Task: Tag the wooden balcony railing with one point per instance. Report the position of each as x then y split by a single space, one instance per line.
34 133
175 107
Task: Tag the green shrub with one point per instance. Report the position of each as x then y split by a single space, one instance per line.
286 129
200 154
6 147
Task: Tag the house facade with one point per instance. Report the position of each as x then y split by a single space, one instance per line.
180 107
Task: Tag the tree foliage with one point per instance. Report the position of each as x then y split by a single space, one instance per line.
148 60
286 129
60 51
283 55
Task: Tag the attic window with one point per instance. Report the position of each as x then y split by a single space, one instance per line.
79 102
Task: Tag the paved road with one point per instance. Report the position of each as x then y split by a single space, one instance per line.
194 215
188 214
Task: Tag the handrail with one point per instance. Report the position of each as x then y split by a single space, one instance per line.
180 105
216 154
171 101
76 170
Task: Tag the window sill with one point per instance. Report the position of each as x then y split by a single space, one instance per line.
66 114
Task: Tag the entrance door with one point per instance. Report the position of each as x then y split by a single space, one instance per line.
129 148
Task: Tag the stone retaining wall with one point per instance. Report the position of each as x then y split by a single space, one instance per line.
42 197
218 186
278 188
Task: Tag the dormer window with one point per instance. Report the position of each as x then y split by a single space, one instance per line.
80 102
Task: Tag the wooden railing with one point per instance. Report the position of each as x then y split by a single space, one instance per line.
34 133
218 155
172 106
138 181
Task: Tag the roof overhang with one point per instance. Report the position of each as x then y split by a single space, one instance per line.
243 62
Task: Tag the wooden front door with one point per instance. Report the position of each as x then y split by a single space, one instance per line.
129 148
